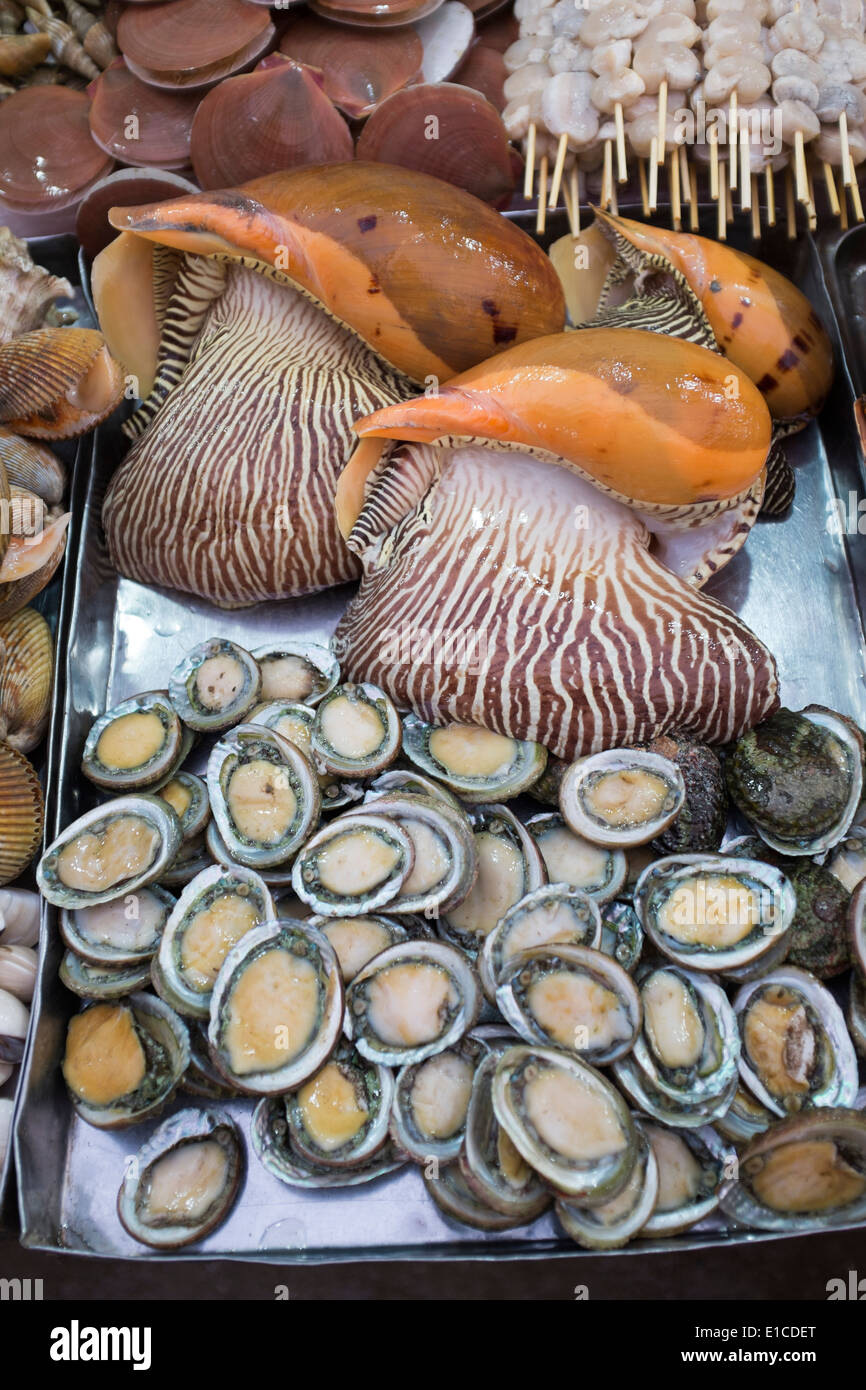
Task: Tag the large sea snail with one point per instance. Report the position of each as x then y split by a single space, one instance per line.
429 276
572 570
761 321
285 310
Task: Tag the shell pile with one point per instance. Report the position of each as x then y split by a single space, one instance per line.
19 937
365 923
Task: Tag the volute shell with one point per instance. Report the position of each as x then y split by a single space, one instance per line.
437 307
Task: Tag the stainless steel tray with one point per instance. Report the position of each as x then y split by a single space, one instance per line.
797 584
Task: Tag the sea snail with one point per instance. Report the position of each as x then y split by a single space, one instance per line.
298 303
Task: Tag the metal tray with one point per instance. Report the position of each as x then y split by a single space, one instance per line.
796 583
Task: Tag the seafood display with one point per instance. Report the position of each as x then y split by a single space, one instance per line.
602 1047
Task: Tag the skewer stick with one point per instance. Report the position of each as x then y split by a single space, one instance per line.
756 207
541 215
714 164
575 199
654 175
843 213
621 161
607 177
614 200
800 168
770 188
733 137
686 186
811 206
561 152
745 172
790 205
663 122
694 213
676 196
569 210
529 172
644 187
847 161
832 194
722 226
857 201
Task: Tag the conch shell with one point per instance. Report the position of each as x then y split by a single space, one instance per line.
582 487
666 427
56 383
368 243
26 674
21 825
761 321
304 299
27 292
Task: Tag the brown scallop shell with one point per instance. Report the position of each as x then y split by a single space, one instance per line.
359 70
123 188
26 674
49 156
163 119
21 825
56 383
483 69
371 14
275 118
193 43
470 146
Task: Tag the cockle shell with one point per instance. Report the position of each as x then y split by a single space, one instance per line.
26 674
368 242
761 321
32 466
27 291
21 825
56 383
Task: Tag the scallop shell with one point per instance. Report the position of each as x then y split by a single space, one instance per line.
21 799
56 383
26 672
30 465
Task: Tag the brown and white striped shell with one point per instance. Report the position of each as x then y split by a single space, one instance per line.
21 824
26 674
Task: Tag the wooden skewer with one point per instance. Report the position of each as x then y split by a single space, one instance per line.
561 152
607 177
614 199
569 210
857 201
529 172
722 227
654 175
770 187
800 168
756 207
541 215
575 199
843 213
644 187
621 161
745 172
733 137
686 185
663 123
790 205
714 164
695 213
832 193
676 197
811 206
847 161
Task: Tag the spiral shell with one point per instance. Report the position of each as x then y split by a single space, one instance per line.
56 383
21 799
27 291
21 52
26 672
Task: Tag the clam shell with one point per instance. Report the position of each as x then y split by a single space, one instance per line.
56 383
30 465
26 674
21 799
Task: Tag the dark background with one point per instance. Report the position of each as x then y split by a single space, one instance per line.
795 1269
